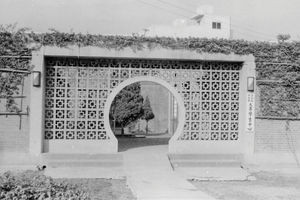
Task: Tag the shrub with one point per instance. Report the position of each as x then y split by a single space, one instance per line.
31 185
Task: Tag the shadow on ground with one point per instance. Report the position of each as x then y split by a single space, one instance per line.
126 143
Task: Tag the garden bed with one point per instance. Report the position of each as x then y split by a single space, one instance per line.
34 185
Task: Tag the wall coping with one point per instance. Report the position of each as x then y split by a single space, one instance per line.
155 53
278 118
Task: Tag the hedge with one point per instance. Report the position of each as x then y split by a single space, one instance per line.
274 61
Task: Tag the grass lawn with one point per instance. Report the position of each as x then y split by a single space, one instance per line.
268 186
104 189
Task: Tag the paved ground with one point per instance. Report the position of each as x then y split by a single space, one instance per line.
150 175
214 173
127 143
86 172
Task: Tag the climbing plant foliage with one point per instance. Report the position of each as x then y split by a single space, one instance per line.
269 58
13 43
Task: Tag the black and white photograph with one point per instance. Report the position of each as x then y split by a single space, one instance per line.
149 100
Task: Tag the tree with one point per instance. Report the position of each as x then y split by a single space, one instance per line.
127 106
283 37
148 113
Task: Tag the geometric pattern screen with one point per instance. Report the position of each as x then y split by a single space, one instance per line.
77 89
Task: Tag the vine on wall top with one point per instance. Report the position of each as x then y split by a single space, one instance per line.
20 42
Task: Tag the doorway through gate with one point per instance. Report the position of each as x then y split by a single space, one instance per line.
143 113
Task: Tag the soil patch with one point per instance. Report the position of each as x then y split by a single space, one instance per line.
104 189
268 186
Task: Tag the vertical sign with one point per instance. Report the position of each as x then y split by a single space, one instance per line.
250 111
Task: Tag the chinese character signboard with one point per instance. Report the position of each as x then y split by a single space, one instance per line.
250 111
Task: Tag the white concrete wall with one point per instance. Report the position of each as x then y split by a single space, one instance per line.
37 145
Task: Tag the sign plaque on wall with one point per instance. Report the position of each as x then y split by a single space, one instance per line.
250 111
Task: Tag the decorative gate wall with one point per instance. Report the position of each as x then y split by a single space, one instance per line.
76 91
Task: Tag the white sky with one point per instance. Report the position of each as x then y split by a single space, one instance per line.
251 19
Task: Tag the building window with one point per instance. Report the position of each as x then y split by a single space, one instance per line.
216 25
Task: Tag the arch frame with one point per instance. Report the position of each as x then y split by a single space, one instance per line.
165 84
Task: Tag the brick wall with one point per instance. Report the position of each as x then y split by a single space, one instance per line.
12 138
273 136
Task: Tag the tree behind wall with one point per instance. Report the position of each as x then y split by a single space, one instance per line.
283 37
148 113
127 106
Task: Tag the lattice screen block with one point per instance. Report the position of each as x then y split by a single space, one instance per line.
77 89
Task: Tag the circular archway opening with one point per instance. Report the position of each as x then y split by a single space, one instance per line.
143 113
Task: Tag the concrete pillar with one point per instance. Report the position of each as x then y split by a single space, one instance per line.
37 107
169 113
249 114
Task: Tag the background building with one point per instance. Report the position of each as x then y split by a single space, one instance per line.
204 24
